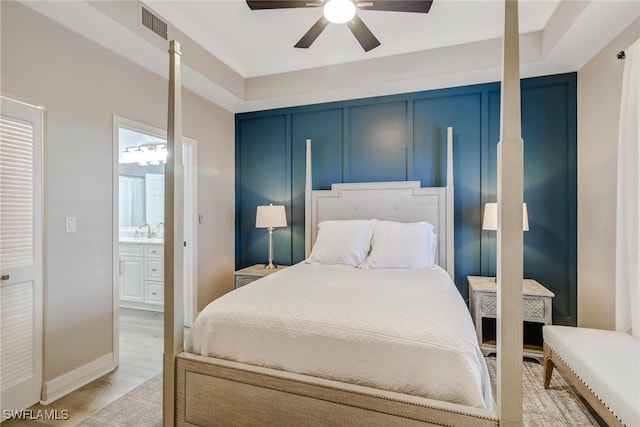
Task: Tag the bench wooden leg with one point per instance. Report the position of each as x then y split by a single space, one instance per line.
547 366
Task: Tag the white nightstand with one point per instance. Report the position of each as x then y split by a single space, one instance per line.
249 274
536 306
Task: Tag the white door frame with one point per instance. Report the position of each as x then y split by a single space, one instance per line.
189 158
191 203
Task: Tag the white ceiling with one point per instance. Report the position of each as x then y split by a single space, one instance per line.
260 42
245 60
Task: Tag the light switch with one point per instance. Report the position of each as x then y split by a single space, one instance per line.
71 224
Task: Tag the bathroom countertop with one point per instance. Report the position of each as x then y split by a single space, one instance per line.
142 240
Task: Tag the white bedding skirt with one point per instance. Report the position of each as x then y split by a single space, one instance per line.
407 331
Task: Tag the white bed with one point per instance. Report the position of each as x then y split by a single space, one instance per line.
401 330
394 345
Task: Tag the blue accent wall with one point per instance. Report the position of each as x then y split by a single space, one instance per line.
403 137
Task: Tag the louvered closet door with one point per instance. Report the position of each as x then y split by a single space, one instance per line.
20 255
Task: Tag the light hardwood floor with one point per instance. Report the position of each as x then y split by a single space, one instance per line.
141 342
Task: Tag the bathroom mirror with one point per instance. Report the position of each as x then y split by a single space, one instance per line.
141 179
141 199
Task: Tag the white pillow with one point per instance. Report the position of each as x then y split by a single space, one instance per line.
402 245
341 242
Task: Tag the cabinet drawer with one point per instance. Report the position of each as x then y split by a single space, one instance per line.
153 269
532 308
154 251
130 250
155 293
488 306
244 280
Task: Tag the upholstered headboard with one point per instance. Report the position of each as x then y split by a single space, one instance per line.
403 201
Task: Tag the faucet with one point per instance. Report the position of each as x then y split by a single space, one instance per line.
149 231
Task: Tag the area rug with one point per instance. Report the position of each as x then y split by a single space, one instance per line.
555 407
141 407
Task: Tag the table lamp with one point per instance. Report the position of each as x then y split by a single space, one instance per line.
490 219
271 217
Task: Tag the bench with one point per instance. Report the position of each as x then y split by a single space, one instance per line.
603 366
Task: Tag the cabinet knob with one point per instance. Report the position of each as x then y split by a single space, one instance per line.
153 269
5 277
154 293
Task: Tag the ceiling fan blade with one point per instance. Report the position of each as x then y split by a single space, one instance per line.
279 4
364 35
313 33
418 6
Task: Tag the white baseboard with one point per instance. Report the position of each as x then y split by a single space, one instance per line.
64 384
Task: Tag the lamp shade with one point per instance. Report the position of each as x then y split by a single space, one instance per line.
271 216
490 219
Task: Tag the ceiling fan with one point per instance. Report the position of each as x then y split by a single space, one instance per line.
344 12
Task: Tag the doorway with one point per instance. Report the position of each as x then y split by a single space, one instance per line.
139 157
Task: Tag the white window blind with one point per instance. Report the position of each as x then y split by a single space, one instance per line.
16 193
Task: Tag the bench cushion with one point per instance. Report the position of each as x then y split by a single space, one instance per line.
608 362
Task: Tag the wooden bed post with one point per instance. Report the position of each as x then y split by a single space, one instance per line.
173 239
450 197
510 236
307 201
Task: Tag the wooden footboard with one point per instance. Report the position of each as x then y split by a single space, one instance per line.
215 392
551 360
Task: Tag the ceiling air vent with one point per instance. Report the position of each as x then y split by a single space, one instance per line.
154 23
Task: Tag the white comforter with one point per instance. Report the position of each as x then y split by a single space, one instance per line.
407 331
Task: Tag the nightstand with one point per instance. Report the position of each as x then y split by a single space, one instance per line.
249 274
536 306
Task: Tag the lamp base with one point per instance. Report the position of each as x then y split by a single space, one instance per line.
271 265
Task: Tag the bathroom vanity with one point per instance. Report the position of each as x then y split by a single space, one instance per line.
141 269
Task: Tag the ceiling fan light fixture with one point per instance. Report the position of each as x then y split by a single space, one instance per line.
339 11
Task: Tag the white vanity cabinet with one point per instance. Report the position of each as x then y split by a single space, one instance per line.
131 273
141 275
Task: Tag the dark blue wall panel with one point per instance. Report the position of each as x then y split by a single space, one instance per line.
377 142
550 173
262 177
551 243
403 137
325 129
432 116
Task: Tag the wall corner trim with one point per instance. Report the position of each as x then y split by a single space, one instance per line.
64 384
